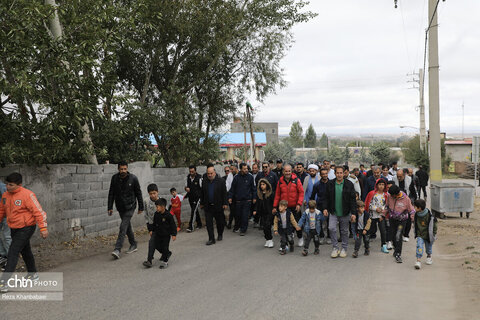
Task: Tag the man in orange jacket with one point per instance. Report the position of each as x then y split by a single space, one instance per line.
23 213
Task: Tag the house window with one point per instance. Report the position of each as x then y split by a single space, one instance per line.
273 130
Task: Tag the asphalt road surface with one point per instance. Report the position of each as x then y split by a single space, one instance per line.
240 279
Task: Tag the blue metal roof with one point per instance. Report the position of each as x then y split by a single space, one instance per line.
238 138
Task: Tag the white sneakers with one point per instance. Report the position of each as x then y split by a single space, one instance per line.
300 242
266 243
343 253
389 245
269 244
405 239
418 265
334 253
429 261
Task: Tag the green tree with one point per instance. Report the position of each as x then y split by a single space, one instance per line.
414 154
310 140
336 155
296 135
323 143
346 154
364 157
281 150
380 152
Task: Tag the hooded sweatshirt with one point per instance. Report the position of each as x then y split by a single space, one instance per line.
400 208
264 203
425 226
375 200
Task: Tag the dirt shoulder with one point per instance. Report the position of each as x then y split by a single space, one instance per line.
458 246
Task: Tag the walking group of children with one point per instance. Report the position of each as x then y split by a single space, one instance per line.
386 208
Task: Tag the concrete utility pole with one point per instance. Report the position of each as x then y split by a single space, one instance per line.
434 95
423 131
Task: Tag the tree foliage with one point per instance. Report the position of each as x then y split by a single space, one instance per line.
280 150
177 69
296 135
380 152
310 137
323 143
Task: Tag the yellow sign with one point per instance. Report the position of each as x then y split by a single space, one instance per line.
451 167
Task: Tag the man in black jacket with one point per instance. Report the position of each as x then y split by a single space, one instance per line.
340 204
213 199
243 193
193 187
125 192
423 181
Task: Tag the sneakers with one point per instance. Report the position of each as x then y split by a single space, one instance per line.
384 249
116 254
132 249
405 239
398 259
322 241
147 264
3 260
3 287
189 230
429 261
355 254
418 265
389 245
267 243
242 233
329 241
334 253
304 253
236 230
316 252
163 265
283 251
343 253
300 242
270 244
32 276
367 252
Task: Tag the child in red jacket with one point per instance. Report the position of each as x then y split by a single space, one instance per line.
176 206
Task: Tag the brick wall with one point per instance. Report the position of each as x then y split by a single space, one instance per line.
74 196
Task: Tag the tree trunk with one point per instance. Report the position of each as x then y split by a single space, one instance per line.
56 30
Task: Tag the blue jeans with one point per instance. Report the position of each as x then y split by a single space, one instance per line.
5 238
243 211
420 244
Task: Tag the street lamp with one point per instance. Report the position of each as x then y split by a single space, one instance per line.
403 127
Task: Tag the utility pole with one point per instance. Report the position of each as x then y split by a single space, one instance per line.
463 121
433 94
423 131
252 136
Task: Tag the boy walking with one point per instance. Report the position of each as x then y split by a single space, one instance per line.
425 231
150 209
311 221
361 227
23 213
176 206
283 224
163 228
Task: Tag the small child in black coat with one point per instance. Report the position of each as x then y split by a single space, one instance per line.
164 227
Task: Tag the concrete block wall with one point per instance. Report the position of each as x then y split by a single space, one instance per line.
75 196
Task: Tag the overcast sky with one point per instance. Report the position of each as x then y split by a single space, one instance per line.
347 70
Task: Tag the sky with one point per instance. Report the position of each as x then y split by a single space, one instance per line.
347 70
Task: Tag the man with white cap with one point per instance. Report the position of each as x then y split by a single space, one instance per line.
310 180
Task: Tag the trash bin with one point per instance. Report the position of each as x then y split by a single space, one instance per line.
452 197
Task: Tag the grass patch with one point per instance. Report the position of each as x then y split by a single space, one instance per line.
469 248
475 252
470 268
467 262
450 244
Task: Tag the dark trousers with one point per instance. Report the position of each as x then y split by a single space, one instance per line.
396 231
408 227
358 240
219 216
285 238
243 212
233 215
266 221
388 229
160 243
424 189
125 229
193 205
297 215
312 234
381 226
20 245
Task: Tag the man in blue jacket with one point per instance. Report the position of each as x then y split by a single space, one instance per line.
243 190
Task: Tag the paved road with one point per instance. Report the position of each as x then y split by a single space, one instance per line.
240 279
